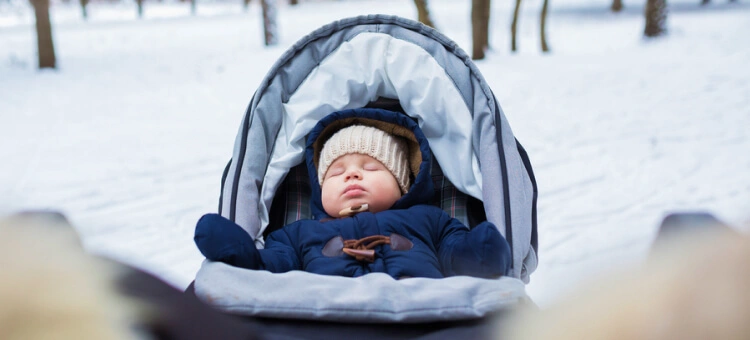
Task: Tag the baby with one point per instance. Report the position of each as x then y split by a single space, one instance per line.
373 188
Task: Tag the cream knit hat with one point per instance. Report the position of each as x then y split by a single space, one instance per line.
367 140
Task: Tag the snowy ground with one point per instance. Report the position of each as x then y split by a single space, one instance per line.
130 136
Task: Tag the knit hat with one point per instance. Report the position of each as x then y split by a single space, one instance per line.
390 150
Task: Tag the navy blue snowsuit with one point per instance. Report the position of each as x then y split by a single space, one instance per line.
424 240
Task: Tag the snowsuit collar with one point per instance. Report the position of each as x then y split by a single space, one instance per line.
421 190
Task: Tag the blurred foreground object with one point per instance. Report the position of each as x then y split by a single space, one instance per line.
51 289
695 285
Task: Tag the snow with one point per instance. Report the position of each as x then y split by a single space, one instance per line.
129 137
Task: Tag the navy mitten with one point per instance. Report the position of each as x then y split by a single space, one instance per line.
220 239
483 253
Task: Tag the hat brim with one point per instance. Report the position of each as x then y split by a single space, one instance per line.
414 154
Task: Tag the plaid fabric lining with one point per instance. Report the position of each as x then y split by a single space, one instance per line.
292 202
297 185
447 197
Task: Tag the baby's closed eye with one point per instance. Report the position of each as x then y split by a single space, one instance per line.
335 171
373 166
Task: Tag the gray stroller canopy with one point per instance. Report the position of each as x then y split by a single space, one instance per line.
351 63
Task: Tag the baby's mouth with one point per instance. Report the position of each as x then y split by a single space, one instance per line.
353 190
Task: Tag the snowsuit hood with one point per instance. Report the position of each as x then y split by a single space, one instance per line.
420 157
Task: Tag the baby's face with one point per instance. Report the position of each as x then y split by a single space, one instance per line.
356 179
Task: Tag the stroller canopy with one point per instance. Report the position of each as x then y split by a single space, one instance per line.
350 64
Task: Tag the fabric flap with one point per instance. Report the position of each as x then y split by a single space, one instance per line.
373 298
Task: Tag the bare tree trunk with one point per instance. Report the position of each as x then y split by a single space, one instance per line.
193 6
45 46
270 29
656 18
514 26
84 9
293 2
543 26
423 13
245 5
140 8
616 6
479 28
485 13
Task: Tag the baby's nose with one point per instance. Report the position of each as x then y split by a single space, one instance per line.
353 174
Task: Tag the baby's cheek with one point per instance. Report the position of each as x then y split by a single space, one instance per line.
327 199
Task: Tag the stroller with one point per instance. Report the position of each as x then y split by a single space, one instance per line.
480 171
